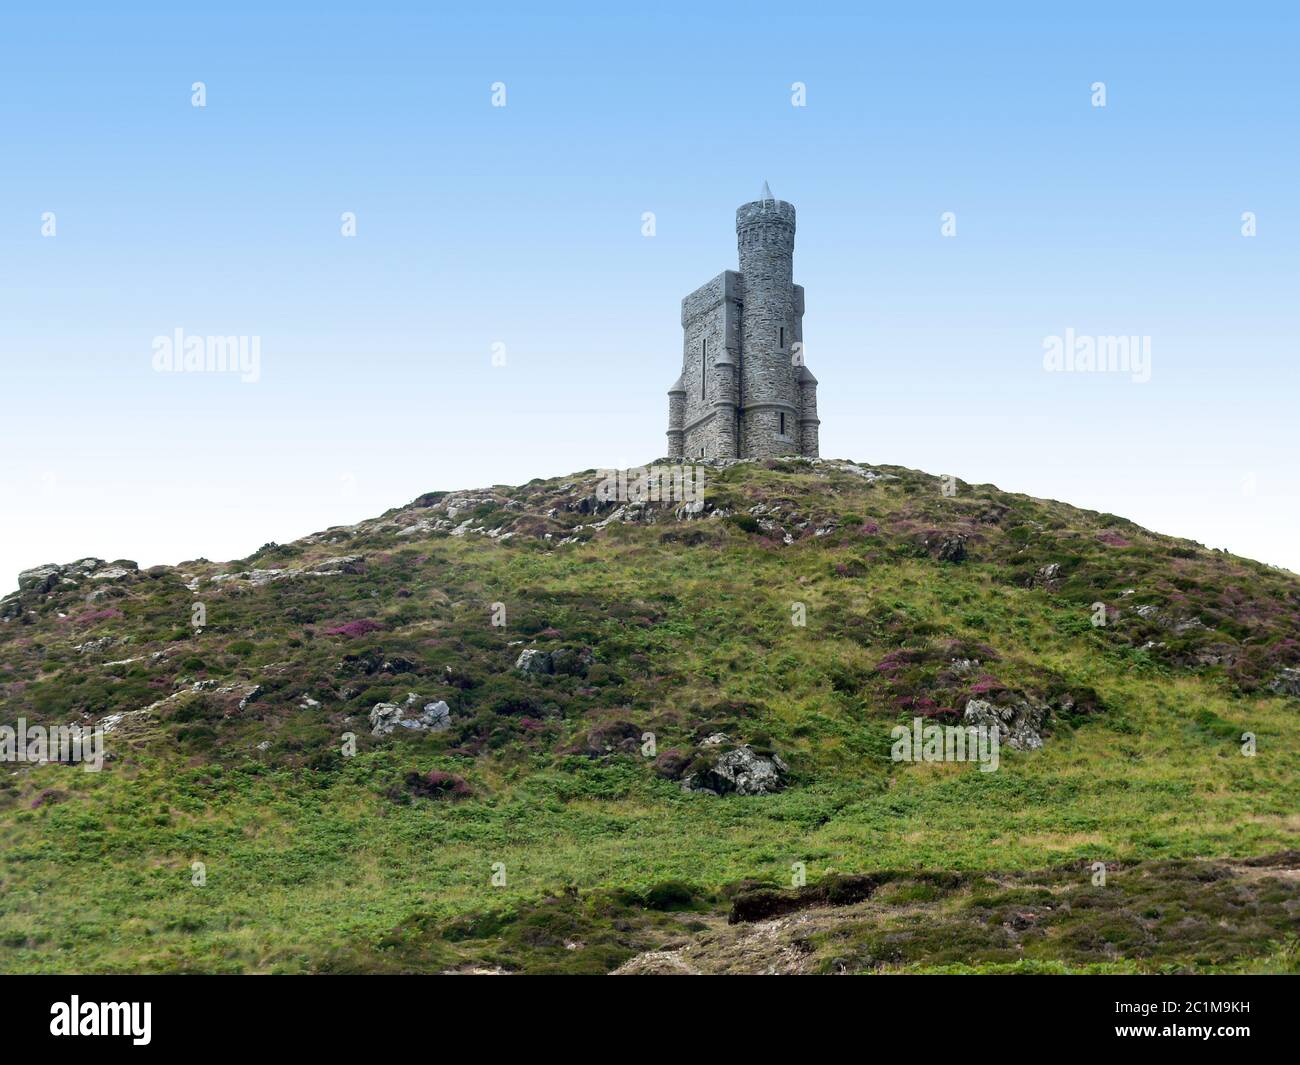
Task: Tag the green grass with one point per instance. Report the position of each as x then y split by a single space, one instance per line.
319 862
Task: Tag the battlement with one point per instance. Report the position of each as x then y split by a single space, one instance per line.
765 213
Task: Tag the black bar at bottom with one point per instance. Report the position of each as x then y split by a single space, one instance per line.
333 1013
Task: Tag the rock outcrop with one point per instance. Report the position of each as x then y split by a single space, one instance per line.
1286 682
325 567
724 769
413 714
1019 721
571 660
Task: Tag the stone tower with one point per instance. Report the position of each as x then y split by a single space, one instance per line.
744 391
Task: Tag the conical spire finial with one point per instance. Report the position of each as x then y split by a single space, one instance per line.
767 193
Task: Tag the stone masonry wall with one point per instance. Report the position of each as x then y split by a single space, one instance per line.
710 333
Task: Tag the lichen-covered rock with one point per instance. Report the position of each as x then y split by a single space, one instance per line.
39 580
1046 577
740 771
1214 654
113 573
11 606
952 549
1019 721
532 660
413 714
325 567
1286 683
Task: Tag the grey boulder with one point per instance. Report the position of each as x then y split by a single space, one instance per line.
1019 722
39 579
952 549
1286 683
387 718
533 660
741 771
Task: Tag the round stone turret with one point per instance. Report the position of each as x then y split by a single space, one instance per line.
769 388
809 444
676 419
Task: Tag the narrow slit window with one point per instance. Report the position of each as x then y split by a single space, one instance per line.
704 366
782 336
783 425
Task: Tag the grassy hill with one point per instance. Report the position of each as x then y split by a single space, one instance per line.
543 831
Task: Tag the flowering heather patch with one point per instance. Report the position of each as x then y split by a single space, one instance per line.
869 528
94 617
1113 539
987 685
924 706
939 680
896 661
353 629
1258 663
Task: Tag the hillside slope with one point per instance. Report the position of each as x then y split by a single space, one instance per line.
598 665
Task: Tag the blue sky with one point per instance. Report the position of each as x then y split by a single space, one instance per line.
521 225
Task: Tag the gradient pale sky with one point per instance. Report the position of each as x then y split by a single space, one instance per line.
522 225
